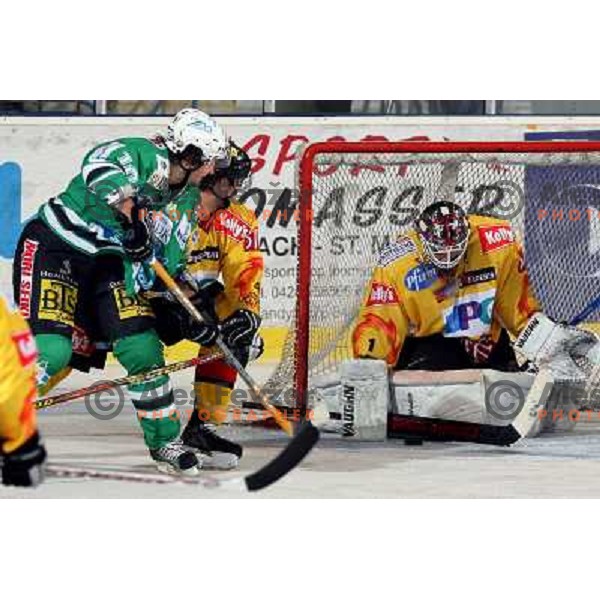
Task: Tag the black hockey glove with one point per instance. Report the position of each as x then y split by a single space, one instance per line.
25 466
204 334
239 328
205 297
136 237
173 324
204 300
246 354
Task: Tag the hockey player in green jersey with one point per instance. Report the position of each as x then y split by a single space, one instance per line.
81 261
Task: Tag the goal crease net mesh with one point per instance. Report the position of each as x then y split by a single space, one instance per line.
353 203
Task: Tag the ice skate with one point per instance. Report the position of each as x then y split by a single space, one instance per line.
174 458
214 451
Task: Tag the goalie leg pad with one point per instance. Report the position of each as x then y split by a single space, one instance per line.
364 398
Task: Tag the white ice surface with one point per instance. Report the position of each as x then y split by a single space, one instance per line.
557 465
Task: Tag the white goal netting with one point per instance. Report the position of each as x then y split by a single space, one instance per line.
353 202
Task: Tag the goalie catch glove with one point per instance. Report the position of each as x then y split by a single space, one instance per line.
553 346
24 467
136 240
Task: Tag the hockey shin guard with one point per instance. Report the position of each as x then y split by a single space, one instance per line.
153 399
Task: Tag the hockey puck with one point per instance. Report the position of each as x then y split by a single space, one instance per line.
413 441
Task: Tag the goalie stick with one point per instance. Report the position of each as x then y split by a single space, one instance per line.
295 451
447 430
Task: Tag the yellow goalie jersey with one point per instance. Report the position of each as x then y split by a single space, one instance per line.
17 380
407 296
227 245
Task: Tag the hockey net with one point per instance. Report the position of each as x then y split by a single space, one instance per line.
354 197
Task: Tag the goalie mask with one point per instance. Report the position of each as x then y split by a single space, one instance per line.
444 231
235 169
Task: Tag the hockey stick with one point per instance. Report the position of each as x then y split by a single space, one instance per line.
446 430
229 357
536 397
129 380
283 463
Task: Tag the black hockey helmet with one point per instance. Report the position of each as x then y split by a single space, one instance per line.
235 167
444 231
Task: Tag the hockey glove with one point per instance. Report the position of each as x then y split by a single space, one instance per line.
239 328
553 346
137 242
174 324
205 297
256 348
246 354
204 334
24 466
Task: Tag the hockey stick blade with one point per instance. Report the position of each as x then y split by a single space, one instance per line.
289 458
445 430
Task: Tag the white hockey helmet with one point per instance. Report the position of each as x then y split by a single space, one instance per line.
195 130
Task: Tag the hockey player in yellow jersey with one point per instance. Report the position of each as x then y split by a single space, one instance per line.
224 245
454 293
21 454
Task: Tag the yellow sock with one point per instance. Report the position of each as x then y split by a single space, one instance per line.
212 401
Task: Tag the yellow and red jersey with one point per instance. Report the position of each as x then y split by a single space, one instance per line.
227 245
18 356
408 296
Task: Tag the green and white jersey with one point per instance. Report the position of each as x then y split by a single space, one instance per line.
171 229
84 215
